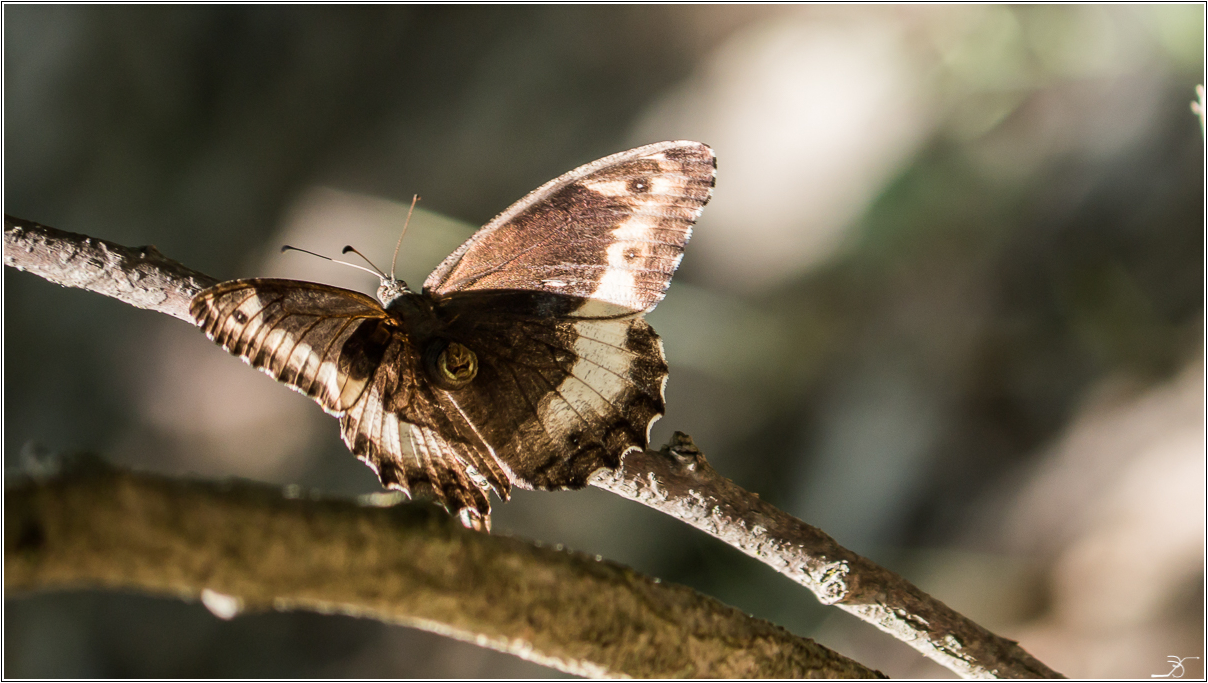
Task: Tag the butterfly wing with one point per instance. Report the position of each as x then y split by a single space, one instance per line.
557 397
342 349
611 232
553 290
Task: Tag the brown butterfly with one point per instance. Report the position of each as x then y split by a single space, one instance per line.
525 359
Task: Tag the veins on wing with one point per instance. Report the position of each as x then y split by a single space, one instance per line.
323 359
471 279
509 362
346 376
255 316
602 266
554 389
525 396
297 340
254 342
432 445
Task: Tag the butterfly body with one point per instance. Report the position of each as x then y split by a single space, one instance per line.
524 360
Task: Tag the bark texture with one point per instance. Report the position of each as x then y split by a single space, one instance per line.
243 546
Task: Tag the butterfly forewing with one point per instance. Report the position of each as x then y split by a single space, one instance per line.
345 351
612 231
297 333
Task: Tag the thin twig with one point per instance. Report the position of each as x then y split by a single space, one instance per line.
677 482
241 547
141 277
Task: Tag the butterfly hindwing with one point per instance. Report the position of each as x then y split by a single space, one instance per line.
559 396
611 232
403 429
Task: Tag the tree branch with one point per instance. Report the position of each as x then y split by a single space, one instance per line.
244 544
678 481
141 277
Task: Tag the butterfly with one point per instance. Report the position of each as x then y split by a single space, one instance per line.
525 358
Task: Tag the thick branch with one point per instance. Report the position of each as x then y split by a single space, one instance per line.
407 564
679 483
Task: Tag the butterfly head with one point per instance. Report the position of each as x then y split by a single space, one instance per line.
392 289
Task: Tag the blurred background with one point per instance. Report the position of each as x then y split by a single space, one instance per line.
947 302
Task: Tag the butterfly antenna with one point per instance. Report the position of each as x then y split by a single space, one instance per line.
414 199
375 271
